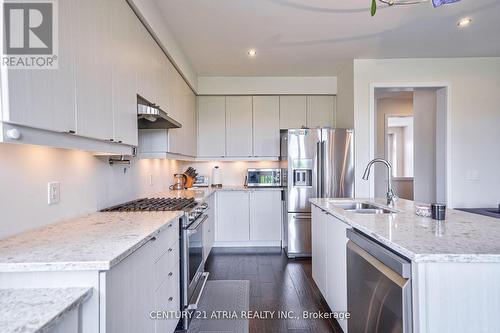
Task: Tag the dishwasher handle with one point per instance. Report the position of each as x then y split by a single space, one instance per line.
400 265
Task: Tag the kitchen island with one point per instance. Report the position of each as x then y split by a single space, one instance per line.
455 264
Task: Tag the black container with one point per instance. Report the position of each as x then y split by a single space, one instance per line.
438 211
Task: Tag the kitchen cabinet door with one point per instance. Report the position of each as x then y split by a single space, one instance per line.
176 136
293 112
94 112
265 215
319 248
124 31
129 293
266 126
190 127
211 126
239 126
44 98
336 268
233 218
320 111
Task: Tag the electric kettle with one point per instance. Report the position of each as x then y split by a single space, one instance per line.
179 182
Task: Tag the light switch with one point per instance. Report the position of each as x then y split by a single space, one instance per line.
54 192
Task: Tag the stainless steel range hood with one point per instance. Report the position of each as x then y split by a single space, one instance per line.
151 116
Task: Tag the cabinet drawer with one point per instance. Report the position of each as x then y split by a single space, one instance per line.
165 239
167 298
166 264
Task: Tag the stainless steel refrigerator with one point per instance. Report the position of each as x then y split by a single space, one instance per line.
317 163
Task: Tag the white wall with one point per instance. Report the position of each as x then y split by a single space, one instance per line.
424 115
386 107
345 97
267 85
88 184
233 173
474 124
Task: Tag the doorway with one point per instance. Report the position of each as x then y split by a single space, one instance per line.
411 133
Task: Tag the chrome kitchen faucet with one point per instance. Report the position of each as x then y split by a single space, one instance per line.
391 195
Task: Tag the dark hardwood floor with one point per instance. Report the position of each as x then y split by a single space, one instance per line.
276 284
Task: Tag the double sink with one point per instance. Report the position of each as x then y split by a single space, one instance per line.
363 207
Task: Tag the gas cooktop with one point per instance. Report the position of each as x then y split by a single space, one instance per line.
154 204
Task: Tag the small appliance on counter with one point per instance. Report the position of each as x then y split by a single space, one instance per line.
201 181
216 177
180 180
264 178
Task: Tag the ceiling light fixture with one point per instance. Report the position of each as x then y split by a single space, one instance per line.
252 52
464 22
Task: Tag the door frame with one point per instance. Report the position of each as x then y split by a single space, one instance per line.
448 111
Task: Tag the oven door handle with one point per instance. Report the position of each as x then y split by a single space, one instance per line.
194 227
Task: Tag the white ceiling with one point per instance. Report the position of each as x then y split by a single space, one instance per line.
316 37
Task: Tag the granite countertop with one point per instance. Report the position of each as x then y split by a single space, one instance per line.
462 237
94 242
37 310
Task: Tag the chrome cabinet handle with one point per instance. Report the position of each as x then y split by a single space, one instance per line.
170 274
170 250
170 299
153 239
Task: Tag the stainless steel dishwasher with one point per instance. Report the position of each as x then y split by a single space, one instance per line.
378 287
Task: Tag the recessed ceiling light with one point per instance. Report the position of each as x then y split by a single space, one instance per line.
464 22
252 52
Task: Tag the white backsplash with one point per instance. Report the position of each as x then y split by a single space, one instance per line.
88 183
233 173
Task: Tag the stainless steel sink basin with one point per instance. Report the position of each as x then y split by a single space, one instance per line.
363 208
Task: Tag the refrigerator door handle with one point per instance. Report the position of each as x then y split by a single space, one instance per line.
323 161
319 168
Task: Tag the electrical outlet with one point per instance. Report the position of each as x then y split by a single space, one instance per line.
150 180
54 192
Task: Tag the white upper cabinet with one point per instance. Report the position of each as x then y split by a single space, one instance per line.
293 111
211 126
320 111
45 98
124 32
266 126
239 126
93 69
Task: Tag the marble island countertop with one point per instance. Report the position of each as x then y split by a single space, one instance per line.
94 242
462 237
37 310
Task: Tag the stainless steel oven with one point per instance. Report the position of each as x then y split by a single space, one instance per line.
378 287
193 276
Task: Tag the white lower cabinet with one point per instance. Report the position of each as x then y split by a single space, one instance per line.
329 266
318 256
251 217
209 228
265 216
147 280
233 218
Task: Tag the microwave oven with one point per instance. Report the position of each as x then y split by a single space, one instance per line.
264 178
